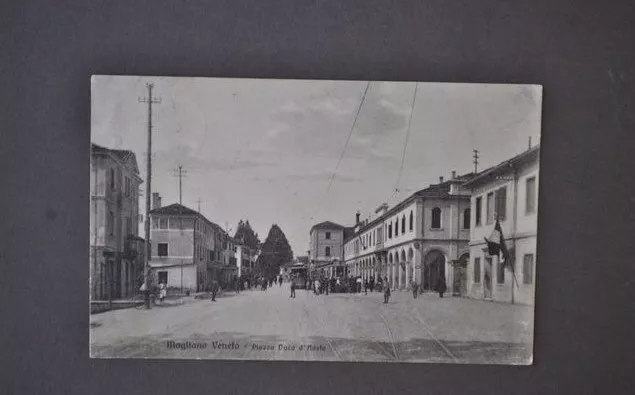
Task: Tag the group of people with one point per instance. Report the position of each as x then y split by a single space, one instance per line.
324 285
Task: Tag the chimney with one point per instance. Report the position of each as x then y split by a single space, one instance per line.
357 218
453 174
440 179
156 200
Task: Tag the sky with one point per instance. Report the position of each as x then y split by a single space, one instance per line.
285 152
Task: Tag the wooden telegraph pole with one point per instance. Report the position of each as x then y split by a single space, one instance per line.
146 260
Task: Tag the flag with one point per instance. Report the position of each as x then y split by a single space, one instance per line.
496 245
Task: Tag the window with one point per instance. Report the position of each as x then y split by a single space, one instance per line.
111 223
530 195
500 272
163 277
390 231
466 218
479 202
403 224
528 268
327 251
411 221
112 178
490 208
501 203
163 249
328 235
436 218
477 270
127 186
163 223
396 227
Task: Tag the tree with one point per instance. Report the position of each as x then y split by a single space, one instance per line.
246 235
275 252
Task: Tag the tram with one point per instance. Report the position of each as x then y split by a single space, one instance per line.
300 275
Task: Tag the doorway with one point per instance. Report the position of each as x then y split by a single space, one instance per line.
433 269
460 276
487 278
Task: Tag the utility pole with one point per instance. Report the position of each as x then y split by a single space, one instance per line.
181 173
146 264
475 161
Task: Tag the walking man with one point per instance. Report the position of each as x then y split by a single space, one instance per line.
441 286
215 288
386 290
415 289
371 284
292 289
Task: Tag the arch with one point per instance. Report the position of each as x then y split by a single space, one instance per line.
436 218
403 256
411 254
390 258
433 268
466 218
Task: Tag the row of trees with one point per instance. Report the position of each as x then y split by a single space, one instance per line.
274 252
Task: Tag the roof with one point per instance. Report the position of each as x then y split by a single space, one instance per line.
122 155
485 176
179 209
435 191
327 225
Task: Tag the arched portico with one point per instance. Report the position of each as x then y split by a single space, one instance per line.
433 268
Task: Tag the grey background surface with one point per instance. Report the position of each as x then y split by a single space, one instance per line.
581 51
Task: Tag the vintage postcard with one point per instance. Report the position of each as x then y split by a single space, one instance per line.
313 220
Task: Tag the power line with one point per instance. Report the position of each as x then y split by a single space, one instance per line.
348 139
405 145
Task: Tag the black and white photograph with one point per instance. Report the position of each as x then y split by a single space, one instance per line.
313 220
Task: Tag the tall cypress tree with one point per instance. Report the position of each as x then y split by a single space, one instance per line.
275 252
246 234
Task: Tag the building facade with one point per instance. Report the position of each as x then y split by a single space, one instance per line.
507 192
245 260
116 251
421 239
326 242
188 251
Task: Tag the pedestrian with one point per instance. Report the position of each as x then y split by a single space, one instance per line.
359 284
327 285
441 286
365 287
215 288
280 281
386 290
237 284
371 284
415 289
163 291
307 286
292 289
316 288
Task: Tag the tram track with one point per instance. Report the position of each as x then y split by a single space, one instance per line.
390 336
417 318
321 326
